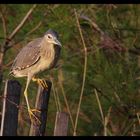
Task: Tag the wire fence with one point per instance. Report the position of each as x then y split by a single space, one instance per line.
11 107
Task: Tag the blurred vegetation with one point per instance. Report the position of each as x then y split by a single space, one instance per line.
112 76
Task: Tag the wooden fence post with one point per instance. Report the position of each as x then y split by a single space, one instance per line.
11 100
42 101
61 124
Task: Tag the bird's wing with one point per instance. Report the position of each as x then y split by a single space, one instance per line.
28 56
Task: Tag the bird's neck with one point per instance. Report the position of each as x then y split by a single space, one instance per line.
47 49
45 44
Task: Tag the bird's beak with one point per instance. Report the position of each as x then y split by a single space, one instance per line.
57 42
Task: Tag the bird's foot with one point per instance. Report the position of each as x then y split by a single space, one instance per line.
33 117
41 82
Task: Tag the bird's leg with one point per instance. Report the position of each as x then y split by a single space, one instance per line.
30 111
41 82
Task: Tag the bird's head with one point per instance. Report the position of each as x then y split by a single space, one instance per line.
52 37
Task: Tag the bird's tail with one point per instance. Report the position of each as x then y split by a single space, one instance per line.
11 73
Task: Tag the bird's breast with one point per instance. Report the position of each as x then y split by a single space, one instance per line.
56 56
47 59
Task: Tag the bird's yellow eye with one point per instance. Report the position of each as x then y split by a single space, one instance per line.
49 37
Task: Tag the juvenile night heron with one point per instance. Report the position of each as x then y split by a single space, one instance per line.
38 55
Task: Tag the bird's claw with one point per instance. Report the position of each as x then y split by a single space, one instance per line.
35 110
41 82
33 117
